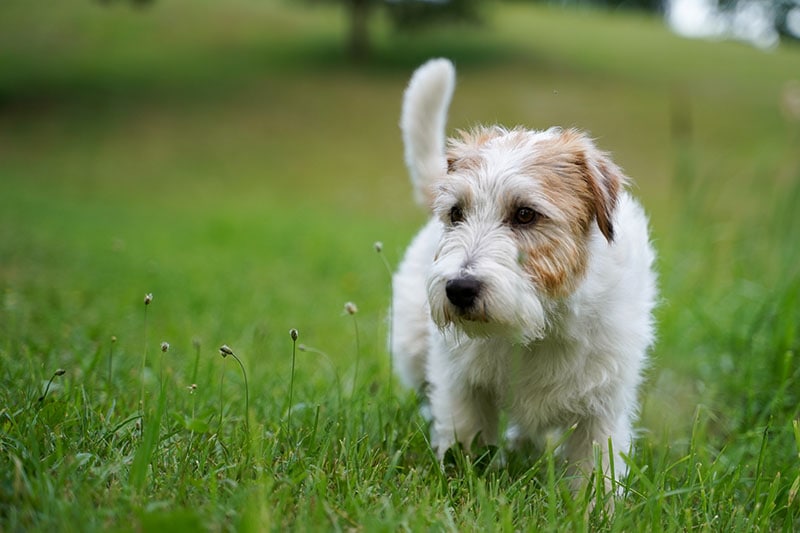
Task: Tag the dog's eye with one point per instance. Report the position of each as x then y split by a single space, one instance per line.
525 216
456 215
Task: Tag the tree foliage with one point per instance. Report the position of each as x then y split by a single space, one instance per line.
404 14
410 14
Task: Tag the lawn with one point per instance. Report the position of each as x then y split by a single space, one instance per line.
228 159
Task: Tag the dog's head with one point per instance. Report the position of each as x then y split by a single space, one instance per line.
519 209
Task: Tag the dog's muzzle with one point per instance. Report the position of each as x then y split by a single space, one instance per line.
462 292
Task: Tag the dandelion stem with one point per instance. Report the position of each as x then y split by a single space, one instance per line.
161 373
144 362
110 360
185 465
147 299
221 382
293 334
351 309
331 364
246 398
225 351
163 391
59 372
196 344
358 355
194 400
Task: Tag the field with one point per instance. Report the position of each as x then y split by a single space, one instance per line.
228 159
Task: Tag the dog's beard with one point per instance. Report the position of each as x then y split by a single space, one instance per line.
508 307
507 304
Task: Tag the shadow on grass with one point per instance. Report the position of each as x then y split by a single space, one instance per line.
207 73
402 52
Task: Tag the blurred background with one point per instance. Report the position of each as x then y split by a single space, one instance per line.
238 159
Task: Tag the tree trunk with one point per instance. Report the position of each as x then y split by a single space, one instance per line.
359 29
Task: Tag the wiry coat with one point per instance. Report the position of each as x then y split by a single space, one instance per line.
531 288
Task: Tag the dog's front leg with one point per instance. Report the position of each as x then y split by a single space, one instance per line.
579 451
462 414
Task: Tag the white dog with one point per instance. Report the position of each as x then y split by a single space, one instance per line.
530 289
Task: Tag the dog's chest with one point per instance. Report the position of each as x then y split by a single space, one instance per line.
539 386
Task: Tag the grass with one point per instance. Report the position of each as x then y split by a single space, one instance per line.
240 170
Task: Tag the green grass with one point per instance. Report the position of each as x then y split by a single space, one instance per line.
226 158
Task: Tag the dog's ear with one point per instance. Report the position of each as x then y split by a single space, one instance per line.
605 179
593 175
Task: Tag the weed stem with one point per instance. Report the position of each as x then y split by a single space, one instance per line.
293 334
59 372
147 299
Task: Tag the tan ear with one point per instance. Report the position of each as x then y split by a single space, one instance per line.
601 179
605 179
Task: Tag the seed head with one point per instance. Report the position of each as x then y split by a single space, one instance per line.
378 246
113 338
60 372
148 298
165 347
225 351
350 308
293 334
192 388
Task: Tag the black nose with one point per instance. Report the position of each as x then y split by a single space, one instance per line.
462 292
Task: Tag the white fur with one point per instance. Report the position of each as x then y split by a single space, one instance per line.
574 360
423 121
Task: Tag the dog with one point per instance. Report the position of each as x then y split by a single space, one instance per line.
530 290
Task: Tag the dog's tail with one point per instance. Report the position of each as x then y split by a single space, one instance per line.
423 122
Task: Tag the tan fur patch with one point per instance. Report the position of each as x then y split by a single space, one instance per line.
463 151
554 263
578 180
573 162
575 177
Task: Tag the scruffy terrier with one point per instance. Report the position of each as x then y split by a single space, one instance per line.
530 289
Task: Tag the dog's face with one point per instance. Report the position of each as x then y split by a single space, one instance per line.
519 208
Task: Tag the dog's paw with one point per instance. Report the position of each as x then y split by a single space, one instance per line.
477 456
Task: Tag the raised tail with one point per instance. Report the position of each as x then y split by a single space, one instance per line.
423 121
